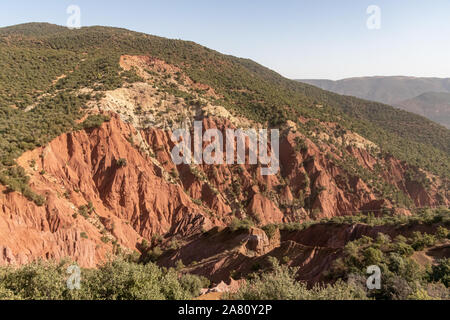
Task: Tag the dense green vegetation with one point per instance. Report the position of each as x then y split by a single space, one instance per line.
38 101
403 278
280 284
117 280
94 121
243 224
26 72
407 281
21 131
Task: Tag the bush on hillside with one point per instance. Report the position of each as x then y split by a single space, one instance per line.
281 284
117 280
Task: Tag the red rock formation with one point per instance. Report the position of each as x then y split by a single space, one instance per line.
145 196
81 168
221 254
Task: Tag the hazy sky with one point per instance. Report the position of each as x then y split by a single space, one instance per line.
299 39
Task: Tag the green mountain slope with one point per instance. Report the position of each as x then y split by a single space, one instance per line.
433 105
42 58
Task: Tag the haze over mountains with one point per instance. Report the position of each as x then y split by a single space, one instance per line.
429 97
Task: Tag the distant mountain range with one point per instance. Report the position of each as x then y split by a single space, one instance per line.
429 97
433 105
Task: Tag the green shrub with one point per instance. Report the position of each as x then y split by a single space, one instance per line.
372 256
403 249
241 224
121 162
94 121
6 294
117 280
441 272
120 280
270 230
420 241
179 265
105 239
442 233
193 284
36 281
84 211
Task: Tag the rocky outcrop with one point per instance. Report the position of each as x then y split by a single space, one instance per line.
93 200
108 189
223 255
